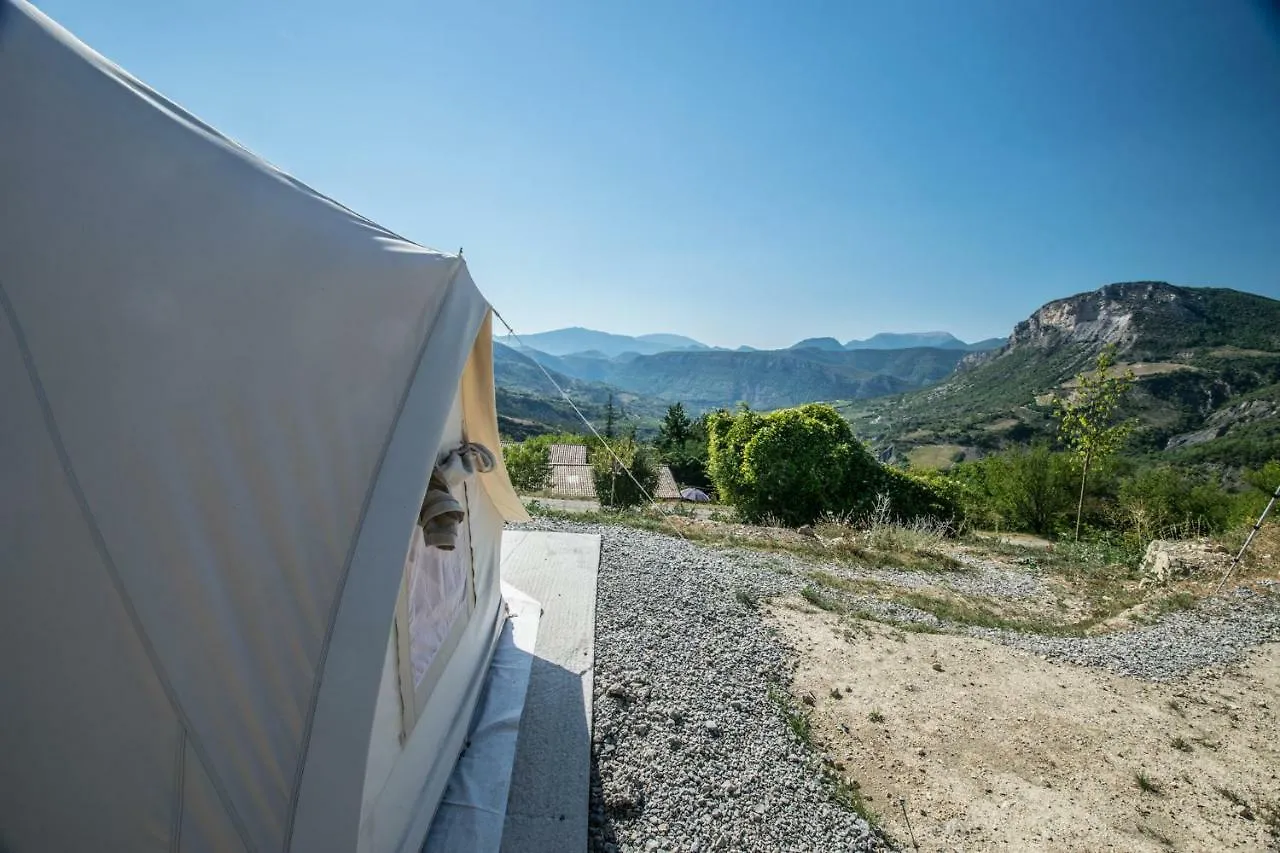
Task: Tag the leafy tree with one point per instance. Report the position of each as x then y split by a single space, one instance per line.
682 445
529 465
625 485
610 417
675 430
1087 420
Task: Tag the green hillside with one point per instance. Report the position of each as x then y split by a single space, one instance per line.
1198 355
708 379
529 404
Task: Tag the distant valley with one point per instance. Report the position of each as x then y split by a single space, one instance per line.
591 343
1207 361
650 371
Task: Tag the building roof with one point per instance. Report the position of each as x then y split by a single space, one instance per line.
574 481
666 490
567 454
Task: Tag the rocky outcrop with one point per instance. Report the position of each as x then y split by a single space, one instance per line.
1100 318
977 359
1168 560
1222 421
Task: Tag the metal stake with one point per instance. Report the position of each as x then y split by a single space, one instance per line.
902 804
1252 533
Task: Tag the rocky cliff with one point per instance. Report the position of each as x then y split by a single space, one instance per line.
1100 317
1153 318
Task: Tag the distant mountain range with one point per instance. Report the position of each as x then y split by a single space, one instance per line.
529 403
907 340
589 342
1207 362
577 340
707 379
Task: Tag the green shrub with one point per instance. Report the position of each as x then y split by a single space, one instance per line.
529 466
793 466
727 437
796 466
1030 489
1164 501
1261 485
922 495
625 485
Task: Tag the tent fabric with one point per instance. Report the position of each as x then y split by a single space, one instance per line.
696 495
224 394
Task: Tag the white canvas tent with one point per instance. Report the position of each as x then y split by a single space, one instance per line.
221 398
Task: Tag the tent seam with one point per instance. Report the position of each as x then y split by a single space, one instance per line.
179 776
375 475
108 563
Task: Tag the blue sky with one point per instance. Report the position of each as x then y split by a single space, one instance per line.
757 172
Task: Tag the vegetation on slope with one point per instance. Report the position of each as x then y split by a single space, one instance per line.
1196 354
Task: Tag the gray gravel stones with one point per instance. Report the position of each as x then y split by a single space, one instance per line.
980 579
1218 631
690 751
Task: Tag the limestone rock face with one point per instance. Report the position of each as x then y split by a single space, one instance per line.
1100 317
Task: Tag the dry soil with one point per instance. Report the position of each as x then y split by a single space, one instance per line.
991 748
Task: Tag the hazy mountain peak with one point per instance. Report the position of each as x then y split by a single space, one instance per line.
672 341
576 339
907 340
830 344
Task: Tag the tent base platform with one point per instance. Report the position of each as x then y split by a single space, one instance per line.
547 808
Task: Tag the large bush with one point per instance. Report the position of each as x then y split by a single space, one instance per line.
1030 489
624 476
923 494
792 466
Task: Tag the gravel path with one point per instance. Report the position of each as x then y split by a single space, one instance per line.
692 752
979 580
1218 631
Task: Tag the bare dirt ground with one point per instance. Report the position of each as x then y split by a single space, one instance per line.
993 748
